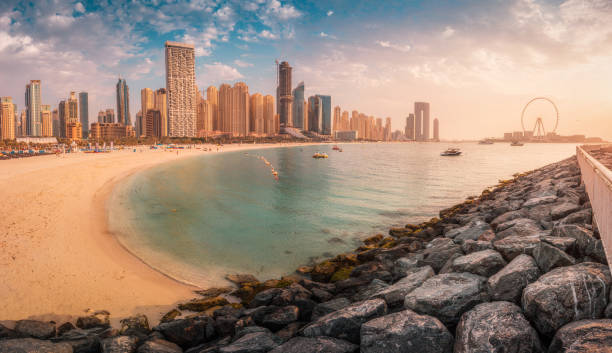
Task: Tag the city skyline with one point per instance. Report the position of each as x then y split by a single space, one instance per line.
453 63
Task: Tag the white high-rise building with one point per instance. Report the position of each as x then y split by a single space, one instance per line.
181 89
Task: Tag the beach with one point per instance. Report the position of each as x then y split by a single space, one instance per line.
57 257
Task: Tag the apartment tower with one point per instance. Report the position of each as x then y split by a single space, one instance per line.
32 102
284 97
83 112
298 106
421 113
7 118
181 89
123 103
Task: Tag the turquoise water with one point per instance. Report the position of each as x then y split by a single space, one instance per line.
200 218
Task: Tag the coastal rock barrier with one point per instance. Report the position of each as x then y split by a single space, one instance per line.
520 268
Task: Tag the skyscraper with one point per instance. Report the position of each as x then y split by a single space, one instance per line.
181 89
84 111
436 130
240 109
123 103
284 97
7 118
161 105
33 102
421 112
409 130
147 101
268 112
204 120
225 108
47 120
387 131
337 121
56 123
315 113
68 115
152 123
212 96
257 114
298 106
326 111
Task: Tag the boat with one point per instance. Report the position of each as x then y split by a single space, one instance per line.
516 143
451 152
485 142
336 148
340 150
319 155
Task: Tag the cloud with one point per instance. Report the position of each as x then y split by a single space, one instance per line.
448 32
224 13
267 34
78 7
282 12
329 13
386 44
241 63
327 35
218 72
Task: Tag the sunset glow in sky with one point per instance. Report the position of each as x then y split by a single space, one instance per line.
476 62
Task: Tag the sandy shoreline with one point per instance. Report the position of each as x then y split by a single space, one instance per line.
58 258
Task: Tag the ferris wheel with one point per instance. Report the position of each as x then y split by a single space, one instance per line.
539 131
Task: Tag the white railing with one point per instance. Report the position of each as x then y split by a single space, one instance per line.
597 180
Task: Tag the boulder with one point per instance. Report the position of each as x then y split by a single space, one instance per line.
561 243
548 257
394 295
346 323
496 327
98 318
374 287
321 295
265 297
85 341
447 296
241 279
584 216
583 336
329 307
119 344
135 325
585 242
199 305
509 282
159 346
6 333
280 317
170 315
518 227
405 331
61 329
188 332
35 329
483 263
256 342
567 294
508 216
323 272
536 201
438 252
471 231
562 210
513 246
31 345
404 265
316 345
470 246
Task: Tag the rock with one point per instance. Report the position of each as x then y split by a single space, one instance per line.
119 344
135 325
470 246
6 333
289 331
35 329
508 216
373 239
241 279
31 345
188 332
321 295
562 210
63 328
583 336
405 331
98 319
256 342
471 231
561 243
438 252
483 263
513 246
329 307
374 287
581 217
199 305
404 265
323 272
548 257
496 327
509 282
518 227
280 317
598 254
316 345
265 297
585 242
447 296
540 201
567 294
85 341
159 346
394 295
346 323
308 284
170 315
214 292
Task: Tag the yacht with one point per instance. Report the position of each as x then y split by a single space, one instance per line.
451 152
485 142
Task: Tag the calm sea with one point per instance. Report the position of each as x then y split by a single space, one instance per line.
200 218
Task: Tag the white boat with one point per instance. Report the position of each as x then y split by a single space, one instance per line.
451 152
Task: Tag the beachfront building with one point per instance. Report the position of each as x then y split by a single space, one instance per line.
110 131
240 109
7 118
33 102
387 131
436 130
284 97
421 114
68 114
204 123
298 106
46 120
56 123
147 101
212 96
123 103
84 112
225 104
153 122
314 114
161 105
270 126
257 114
180 86
348 135
410 127
326 112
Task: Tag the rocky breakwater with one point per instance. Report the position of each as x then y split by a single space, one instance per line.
520 268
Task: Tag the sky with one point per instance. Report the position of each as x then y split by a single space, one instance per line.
476 62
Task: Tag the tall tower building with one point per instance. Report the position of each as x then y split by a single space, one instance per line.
387 131
47 120
410 127
56 123
161 105
257 114
147 102
204 121
298 106
268 112
84 111
181 89
212 96
284 97
326 111
421 112
240 109
123 103
33 102
436 130
315 114
337 121
225 108
7 118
